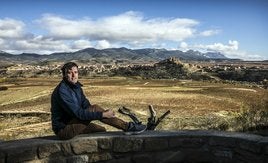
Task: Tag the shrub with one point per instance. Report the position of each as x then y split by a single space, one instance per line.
3 88
253 116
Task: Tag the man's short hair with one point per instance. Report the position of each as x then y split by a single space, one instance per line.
67 66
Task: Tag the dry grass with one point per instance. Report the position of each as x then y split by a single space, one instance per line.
193 105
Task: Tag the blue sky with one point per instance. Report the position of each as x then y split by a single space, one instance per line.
236 28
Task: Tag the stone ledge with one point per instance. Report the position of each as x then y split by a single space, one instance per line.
150 146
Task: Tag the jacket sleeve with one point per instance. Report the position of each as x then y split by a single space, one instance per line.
71 106
85 103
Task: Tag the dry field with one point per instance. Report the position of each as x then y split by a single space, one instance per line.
25 106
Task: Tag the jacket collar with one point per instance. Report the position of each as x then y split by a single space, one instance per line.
71 85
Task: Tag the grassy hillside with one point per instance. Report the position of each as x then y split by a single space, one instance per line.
25 105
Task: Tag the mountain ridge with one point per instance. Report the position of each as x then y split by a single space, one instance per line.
113 55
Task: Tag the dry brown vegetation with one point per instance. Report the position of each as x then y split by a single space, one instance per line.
25 105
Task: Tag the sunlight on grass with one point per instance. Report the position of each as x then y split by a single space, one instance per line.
193 105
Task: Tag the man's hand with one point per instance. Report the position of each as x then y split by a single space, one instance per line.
108 114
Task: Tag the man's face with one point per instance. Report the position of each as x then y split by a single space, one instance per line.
72 75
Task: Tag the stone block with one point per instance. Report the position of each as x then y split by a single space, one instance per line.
82 146
143 158
120 160
36 161
127 144
168 156
223 153
95 157
77 159
186 142
105 143
264 145
252 146
154 144
223 141
49 150
66 149
247 156
49 160
2 157
266 158
22 154
198 155
148 147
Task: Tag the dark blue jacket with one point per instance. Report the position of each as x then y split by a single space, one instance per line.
67 102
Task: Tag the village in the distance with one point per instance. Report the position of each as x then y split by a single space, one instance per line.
143 63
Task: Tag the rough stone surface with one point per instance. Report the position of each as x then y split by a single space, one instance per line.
2 157
66 149
252 146
48 160
81 146
126 144
77 159
247 156
197 155
223 153
186 142
121 160
143 158
95 157
105 143
169 156
155 144
222 141
264 144
20 155
49 150
150 146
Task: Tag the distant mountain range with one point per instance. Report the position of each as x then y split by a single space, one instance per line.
111 55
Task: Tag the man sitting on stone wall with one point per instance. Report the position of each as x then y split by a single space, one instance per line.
72 113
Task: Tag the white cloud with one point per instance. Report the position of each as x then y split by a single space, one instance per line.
37 44
129 29
230 50
61 28
103 44
81 44
11 28
183 46
130 26
209 33
2 43
230 47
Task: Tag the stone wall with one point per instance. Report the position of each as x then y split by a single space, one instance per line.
151 146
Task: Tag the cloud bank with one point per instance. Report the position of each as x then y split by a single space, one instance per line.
130 29
11 28
230 50
130 26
